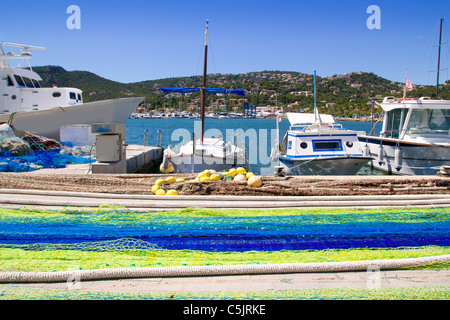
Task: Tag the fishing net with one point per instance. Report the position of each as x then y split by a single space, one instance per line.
125 230
113 237
31 152
39 159
14 146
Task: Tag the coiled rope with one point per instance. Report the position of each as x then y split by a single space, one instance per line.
185 271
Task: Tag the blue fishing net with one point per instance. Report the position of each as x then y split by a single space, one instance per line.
38 160
229 233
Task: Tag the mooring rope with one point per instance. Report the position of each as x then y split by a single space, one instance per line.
190 271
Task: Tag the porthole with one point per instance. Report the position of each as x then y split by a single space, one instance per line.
349 144
303 145
14 97
56 94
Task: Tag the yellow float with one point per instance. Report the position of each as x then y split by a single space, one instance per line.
155 188
169 169
160 192
215 177
171 180
202 174
240 178
232 172
172 192
159 181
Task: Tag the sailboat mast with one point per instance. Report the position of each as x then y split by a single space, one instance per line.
316 112
203 88
439 60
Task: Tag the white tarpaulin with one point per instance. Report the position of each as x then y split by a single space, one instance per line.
305 118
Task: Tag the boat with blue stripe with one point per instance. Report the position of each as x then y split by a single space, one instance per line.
323 148
316 145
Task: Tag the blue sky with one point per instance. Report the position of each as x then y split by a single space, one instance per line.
136 40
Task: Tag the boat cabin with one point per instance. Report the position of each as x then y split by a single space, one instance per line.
417 118
308 138
20 90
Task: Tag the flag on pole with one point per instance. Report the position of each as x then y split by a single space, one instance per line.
409 86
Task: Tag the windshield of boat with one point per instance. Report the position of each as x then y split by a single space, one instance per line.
426 121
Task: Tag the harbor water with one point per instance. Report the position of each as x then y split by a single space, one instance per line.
258 135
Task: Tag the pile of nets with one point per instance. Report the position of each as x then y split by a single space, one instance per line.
39 159
31 152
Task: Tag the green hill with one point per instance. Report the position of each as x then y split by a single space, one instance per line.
345 94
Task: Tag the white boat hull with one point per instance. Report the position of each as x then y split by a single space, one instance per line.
411 159
312 147
211 154
199 163
47 122
323 166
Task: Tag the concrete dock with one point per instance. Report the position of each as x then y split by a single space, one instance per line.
139 159
142 159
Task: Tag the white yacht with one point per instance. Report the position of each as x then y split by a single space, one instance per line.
25 105
415 139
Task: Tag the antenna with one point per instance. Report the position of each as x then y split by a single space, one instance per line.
439 59
25 53
24 46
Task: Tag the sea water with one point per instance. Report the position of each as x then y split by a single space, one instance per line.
257 135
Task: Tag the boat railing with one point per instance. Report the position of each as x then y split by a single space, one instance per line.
310 126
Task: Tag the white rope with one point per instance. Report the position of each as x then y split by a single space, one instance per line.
152 272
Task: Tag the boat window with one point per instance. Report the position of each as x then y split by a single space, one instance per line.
429 121
36 83
19 80
10 81
394 122
28 82
333 145
72 96
56 94
79 97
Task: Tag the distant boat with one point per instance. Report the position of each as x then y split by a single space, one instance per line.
316 145
415 139
205 153
26 106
